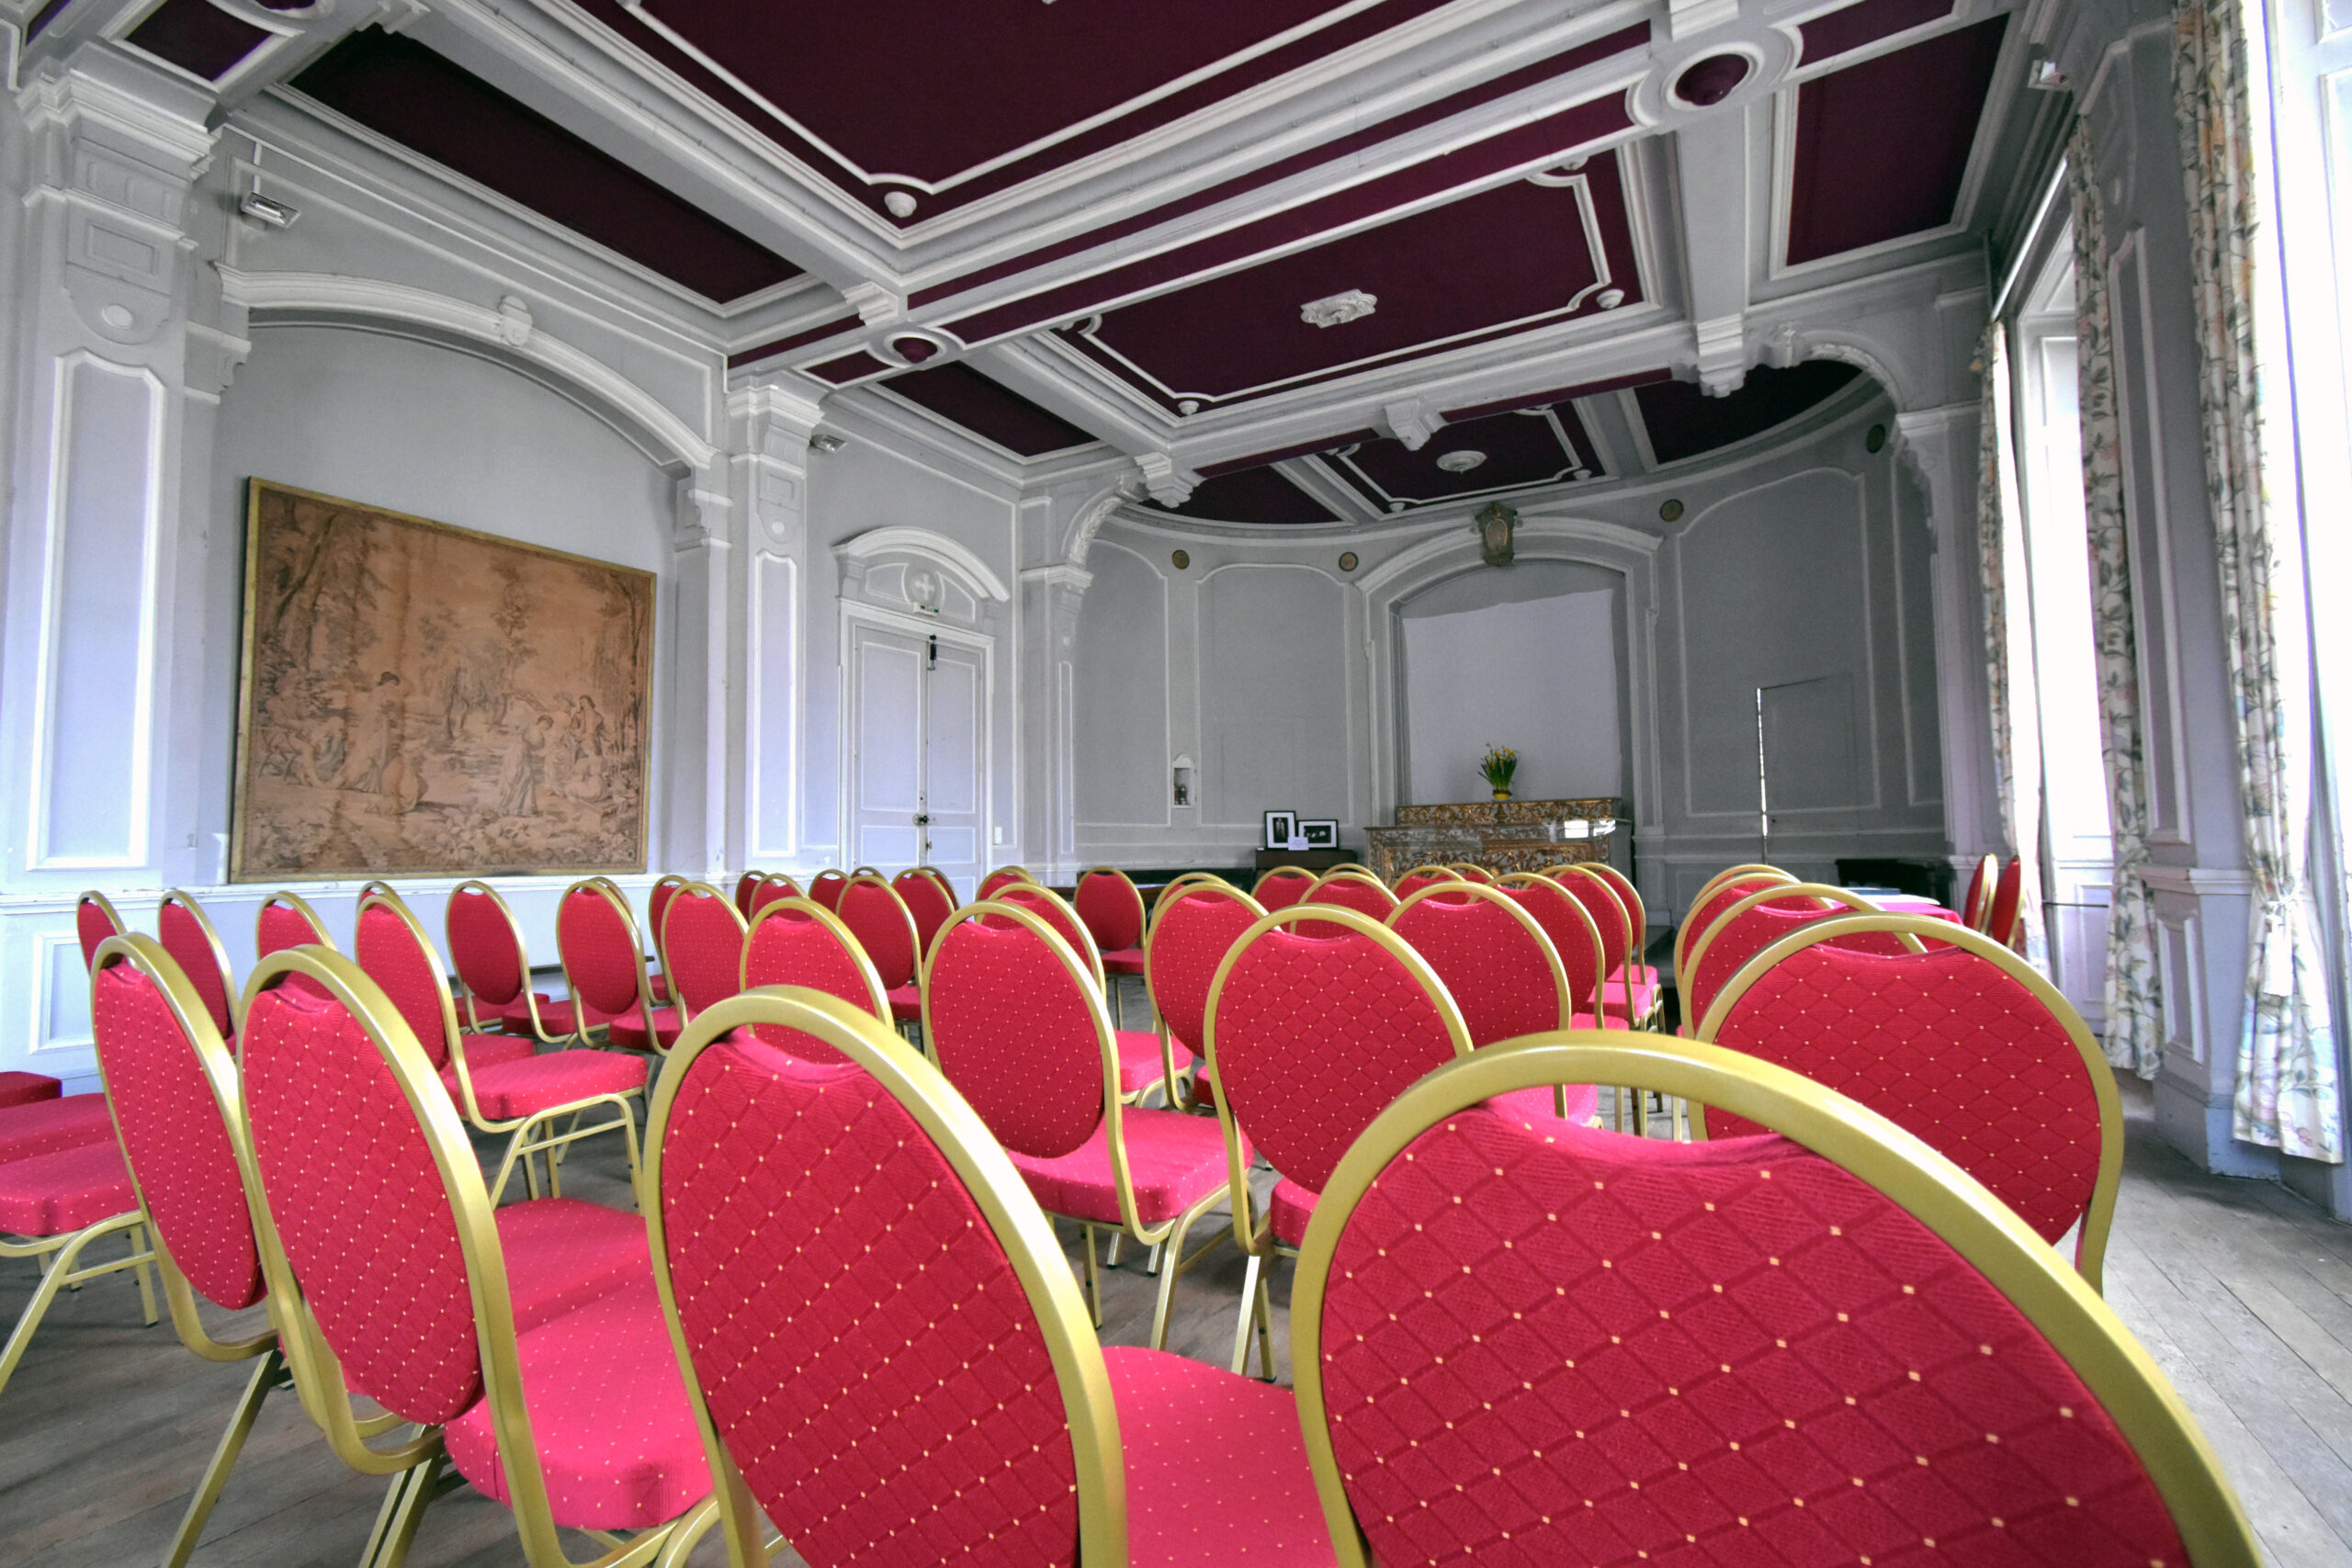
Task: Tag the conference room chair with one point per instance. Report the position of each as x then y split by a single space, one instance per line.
603 968
1144 1063
655 981
501 1083
187 934
1283 887
1309 1037
1977 904
887 1353
1623 993
798 942
1013 1015
930 899
94 920
1107 899
2005 913
1636 912
1422 876
1470 871
1573 935
1189 937
884 928
745 886
1754 923
1535 1345
486 949
1750 868
1003 876
827 885
701 939
1357 890
1720 894
1963 1045
573 1415
946 884
771 888
286 919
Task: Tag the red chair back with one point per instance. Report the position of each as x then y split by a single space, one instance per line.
94 922
827 887
1976 909
770 890
657 902
880 921
1009 1013
945 884
1470 871
1496 963
1193 932
286 920
1963 1045
1281 888
875 1361
1569 925
1310 1037
1413 881
187 935
702 947
1107 900
604 956
485 947
1354 890
2002 921
1000 879
925 893
145 1021
745 886
1706 910
392 949
1748 1345
1061 918
1750 925
1607 912
1628 896
798 942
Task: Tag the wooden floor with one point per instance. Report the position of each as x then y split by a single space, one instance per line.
2243 1293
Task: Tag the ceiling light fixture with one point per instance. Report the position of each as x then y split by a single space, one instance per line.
267 211
826 441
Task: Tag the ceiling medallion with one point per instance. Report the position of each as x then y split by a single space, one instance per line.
1610 299
1189 406
900 204
1462 461
1352 306
1348 560
1712 80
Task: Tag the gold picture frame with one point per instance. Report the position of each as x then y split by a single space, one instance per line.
416 698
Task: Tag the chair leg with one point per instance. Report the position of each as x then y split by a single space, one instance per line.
1253 1287
266 1373
1111 1254
61 1273
412 1491
142 1247
1093 1275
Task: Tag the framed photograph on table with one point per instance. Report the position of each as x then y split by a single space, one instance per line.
1281 827
1320 835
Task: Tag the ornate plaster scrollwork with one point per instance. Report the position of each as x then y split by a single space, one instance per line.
513 320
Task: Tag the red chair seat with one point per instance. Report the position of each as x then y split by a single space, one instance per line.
659 984
1172 1159
1614 1021
484 1052
1173 1410
51 1194
1126 961
534 1084
1644 974
630 1028
1293 1206
608 1412
1139 1064
52 1126
1204 1086
556 1018
906 1004
561 1254
1539 1106
24 1088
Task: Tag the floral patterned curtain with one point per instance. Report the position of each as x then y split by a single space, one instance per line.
2287 1093
2008 641
2134 1002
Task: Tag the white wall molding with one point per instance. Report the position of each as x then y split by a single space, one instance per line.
876 544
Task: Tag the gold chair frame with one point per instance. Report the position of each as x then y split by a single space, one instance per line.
1442 873
301 906
523 962
662 939
1979 913
1684 935
114 916
1203 881
1820 892
878 999
190 904
612 893
1257 887
1175 887
1110 987
1752 868
1628 957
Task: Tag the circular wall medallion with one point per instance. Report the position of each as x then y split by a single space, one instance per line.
1709 82
1876 438
1180 559
1671 512
913 350
1462 461
1348 560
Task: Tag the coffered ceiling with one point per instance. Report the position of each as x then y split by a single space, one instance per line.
1293 253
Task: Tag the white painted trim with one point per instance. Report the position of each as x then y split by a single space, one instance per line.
983 582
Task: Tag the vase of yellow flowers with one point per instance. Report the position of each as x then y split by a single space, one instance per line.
1497 765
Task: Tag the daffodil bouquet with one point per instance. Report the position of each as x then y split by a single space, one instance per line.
1497 765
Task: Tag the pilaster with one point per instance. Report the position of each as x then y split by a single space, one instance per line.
1050 599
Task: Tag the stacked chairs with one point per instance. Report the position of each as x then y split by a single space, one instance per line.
498 1081
884 928
486 948
187 935
1144 1063
94 920
898 1368
1542 1347
1191 934
1963 1045
1748 926
1014 1017
1283 887
1000 879
544 1374
1423 876
1357 890
798 942
930 899
827 887
701 937
603 968
1309 1037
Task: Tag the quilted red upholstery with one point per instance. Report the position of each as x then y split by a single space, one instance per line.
616 1437
1469 872
1573 936
1314 1039
49 1126
827 887
1945 1045
1193 933
867 1353
1608 915
601 951
386 947
2007 890
1049 907
1293 1209
485 951
561 1254
1173 1161
1412 885
927 900
282 926
52 1194
906 1003
998 881
657 900
745 886
1711 907
183 936
528 1086
174 1138
360 1205
26 1089
556 1018
1111 909
1275 892
1500 972
794 949
93 925
1738 938
1362 895
1015 1032
1139 1062
1126 961
879 920
702 949
771 889
1576 1347
1263 1506
629 1029
945 884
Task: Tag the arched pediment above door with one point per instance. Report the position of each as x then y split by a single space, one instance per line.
915 572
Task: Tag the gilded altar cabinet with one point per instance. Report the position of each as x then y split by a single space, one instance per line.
1503 835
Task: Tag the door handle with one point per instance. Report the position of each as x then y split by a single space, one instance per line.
923 820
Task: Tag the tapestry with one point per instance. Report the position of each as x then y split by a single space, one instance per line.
422 699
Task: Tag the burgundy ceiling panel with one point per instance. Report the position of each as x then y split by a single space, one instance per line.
963 396
1684 422
1835 34
855 365
1253 495
196 36
1881 147
1512 452
403 90
800 339
1503 260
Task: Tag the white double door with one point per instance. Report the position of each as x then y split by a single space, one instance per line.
919 749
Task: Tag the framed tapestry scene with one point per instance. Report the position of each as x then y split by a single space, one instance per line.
422 699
